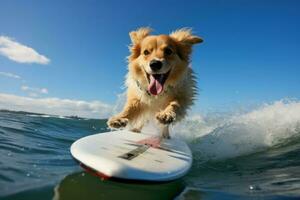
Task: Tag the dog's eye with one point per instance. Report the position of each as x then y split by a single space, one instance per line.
168 51
146 52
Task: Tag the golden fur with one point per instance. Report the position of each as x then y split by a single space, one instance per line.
171 104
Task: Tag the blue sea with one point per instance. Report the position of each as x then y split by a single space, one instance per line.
249 154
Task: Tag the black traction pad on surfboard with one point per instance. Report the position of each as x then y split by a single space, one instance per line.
135 152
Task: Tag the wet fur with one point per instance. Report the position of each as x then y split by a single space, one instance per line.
179 89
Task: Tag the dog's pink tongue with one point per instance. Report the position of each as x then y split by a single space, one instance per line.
155 87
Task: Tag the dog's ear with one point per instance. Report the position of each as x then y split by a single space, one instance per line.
185 40
136 38
185 36
138 35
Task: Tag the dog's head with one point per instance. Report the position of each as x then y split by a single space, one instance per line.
157 61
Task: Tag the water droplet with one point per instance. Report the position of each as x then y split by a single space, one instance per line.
254 187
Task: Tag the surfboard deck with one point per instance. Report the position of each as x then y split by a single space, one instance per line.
133 156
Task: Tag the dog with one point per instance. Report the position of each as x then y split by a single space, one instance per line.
161 86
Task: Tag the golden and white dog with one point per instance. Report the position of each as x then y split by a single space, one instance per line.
160 83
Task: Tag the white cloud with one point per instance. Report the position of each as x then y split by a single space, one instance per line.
34 92
44 91
10 75
19 52
56 106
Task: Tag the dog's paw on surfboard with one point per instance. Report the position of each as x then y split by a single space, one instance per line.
166 117
117 122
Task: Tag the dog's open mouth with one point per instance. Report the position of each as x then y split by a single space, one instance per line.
156 82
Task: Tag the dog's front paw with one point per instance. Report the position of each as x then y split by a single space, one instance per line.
117 122
166 117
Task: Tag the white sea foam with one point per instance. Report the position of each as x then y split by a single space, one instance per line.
48 116
39 115
217 137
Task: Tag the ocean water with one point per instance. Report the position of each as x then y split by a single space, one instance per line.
253 154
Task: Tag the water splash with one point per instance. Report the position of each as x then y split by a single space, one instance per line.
217 137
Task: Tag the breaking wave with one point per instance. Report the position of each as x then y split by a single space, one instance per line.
218 137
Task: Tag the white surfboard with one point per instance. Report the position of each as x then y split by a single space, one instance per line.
128 155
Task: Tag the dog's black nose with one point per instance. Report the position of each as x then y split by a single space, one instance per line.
155 65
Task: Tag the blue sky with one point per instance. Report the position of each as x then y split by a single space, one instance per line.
250 52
